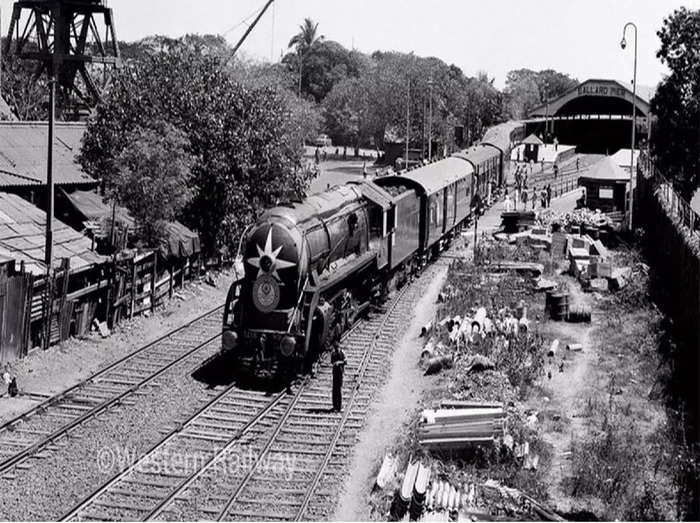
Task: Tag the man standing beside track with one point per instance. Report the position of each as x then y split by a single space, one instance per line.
338 361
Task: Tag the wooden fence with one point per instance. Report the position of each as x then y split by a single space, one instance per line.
39 311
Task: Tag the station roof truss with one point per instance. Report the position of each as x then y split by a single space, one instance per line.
597 97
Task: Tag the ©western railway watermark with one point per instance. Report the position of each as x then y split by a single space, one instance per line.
111 460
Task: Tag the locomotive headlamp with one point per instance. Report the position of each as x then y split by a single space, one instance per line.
229 340
287 345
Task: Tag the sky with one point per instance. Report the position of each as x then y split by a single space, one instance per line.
577 37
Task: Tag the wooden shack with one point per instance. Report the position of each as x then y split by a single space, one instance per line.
606 186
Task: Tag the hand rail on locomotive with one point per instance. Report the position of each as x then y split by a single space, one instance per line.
296 308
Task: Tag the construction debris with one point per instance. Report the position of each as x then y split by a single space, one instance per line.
386 472
461 427
488 501
620 277
480 363
553 348
536 269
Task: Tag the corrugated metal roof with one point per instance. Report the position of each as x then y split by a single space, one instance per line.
91 205
436 175
22 237
23 148
15 180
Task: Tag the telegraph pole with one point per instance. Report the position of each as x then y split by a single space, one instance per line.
408 115
430 119
48 248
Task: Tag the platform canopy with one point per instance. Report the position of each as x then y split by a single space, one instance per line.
596 97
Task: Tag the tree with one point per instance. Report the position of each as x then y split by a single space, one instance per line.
245 139
527 89
325 64
346 112
153 178
26 96
304 41
675 140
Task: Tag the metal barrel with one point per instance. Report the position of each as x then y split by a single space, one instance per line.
579 314
559 307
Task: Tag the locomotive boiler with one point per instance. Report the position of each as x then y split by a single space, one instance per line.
308 275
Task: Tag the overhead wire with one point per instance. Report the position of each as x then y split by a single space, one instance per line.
251 15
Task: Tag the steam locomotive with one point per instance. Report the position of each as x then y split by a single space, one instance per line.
312 268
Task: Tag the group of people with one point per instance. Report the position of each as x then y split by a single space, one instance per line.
522 195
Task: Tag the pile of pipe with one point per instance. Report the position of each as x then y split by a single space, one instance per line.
456 428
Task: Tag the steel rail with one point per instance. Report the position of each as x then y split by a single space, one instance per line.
174 433
232 442
8 463
271 440
58 397
341 425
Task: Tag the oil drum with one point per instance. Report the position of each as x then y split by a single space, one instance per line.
579 314
559 306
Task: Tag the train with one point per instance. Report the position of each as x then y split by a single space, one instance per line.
313 267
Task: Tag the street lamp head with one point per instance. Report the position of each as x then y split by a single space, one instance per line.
623 42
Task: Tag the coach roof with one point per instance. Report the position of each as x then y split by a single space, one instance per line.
437 175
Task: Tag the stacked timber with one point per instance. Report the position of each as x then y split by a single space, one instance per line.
458 428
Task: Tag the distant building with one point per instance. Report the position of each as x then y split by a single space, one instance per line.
23 157
606 186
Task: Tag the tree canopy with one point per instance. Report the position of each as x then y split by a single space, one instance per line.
527 89
675 140
154 175
245 138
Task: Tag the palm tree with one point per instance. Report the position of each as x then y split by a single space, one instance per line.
304 41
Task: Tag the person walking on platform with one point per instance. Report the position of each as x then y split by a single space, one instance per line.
524 198
364 170
338 361
549 195
556 171
534 198
576 164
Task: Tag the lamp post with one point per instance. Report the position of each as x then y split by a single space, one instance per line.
623 44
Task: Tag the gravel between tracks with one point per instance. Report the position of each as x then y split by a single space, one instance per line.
395 403
54 370
54 484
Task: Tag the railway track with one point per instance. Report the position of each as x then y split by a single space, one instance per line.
37 431
250 453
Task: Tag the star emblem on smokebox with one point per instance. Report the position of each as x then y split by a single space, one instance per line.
267 260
